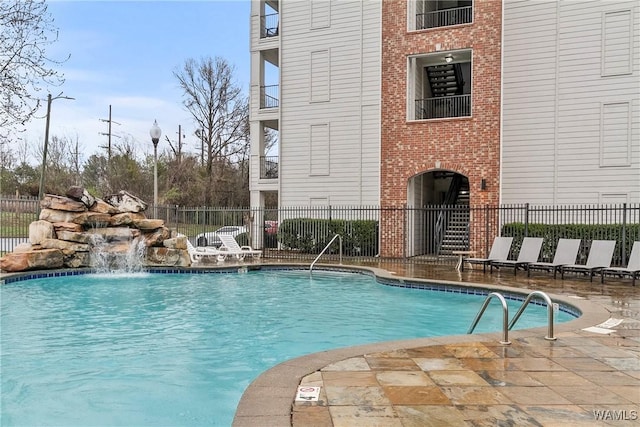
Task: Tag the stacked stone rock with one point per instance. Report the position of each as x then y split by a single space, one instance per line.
66 233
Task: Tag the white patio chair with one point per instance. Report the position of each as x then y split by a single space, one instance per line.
199 254
230 247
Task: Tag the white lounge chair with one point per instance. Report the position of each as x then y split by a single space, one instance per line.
230 247
632 269
499 252
566 254
600 256
199 254
529 252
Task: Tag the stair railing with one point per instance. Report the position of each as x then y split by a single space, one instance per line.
442 221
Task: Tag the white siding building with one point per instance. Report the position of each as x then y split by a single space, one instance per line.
570 106
571 102
316 89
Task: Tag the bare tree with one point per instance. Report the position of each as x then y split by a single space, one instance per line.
24 150
62 168
219 108
26 30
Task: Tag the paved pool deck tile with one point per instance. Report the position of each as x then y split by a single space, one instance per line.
583 378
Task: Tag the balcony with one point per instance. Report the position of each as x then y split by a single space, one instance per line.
269 25
269 96
444 17
268 167
443 107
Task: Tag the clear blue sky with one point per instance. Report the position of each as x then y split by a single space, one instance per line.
123 54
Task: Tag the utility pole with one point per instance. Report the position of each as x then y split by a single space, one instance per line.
180 136
77 163
46 143
108 134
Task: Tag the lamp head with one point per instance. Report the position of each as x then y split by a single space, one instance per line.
155 132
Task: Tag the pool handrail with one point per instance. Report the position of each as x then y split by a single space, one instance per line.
505 316
550 308
325 248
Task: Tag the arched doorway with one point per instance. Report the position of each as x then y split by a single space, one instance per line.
438 217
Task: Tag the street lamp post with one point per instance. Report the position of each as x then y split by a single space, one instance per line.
155 133
46 143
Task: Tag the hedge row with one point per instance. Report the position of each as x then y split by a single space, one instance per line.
585 232
309 235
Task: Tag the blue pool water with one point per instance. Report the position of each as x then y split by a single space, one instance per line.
179 349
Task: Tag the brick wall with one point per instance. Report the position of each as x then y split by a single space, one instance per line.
469 146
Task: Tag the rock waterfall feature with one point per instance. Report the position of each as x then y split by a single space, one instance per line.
113 233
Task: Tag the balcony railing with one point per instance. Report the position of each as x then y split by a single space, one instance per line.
445 17
269 25
269 96
443 107
268 167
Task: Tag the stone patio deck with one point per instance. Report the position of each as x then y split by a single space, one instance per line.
582 378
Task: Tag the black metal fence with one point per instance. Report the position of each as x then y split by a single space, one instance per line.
269 167
16 213
427 234
269 25
444 17
269 96
443 107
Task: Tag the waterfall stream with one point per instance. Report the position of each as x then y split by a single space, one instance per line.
117 257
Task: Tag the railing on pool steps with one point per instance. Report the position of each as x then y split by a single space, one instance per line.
505 314
337 236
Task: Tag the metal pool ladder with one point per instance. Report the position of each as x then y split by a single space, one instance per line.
506 327
337 236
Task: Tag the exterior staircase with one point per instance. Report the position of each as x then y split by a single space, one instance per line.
456 235
445 80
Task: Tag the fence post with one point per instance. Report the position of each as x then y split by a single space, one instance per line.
177 220
526 219
624 234
486 229
405 238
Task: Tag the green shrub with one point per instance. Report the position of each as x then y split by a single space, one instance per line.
311 235
587 232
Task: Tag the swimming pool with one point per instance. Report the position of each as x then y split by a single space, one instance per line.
179 349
